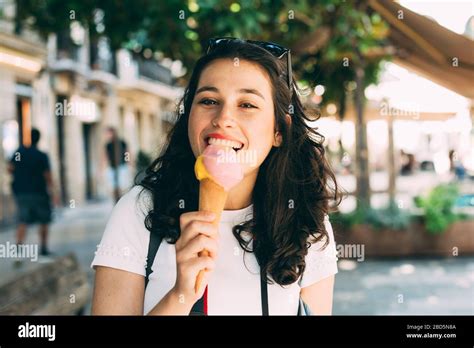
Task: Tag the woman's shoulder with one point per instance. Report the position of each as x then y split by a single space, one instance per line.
321 260
329 239
127 220
138 201
125 240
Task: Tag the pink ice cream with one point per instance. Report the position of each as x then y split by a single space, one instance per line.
213 164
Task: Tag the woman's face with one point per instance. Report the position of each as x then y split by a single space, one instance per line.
233 100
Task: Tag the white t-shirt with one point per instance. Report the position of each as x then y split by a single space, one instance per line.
234 288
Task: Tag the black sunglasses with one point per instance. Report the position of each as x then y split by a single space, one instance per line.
274 49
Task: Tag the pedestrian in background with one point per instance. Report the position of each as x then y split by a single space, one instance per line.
117 157
32 188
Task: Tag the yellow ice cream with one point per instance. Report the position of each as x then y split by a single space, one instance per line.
201 171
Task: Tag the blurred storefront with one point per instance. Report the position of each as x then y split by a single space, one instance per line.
72 89
23 99
420 114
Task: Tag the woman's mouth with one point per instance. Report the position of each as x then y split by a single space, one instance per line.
231 144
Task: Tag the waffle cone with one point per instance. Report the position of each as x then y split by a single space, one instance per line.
212 197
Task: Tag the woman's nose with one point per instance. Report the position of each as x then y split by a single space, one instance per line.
224 119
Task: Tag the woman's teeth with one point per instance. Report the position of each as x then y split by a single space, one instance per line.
224 142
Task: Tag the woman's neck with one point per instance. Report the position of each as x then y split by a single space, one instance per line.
240 196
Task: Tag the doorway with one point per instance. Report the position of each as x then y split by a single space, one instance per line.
86 136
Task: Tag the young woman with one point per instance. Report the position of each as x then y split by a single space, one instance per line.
274 225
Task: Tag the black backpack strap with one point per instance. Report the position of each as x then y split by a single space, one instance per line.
264 293
153 246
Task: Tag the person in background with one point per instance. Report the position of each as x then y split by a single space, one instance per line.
408 163
456 165
32 188
117 157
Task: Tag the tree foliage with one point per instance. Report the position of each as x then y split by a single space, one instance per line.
180 29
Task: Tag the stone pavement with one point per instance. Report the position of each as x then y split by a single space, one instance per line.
373 287
410 286
77 230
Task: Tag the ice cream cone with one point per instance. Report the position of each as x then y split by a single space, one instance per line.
215 180
212 197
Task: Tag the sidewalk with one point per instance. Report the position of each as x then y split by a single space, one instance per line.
77 230
410 286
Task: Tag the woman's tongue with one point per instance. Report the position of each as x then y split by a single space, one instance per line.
222 167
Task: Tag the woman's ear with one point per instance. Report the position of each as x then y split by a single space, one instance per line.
278 138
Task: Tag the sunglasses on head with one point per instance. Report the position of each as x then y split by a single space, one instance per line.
274 49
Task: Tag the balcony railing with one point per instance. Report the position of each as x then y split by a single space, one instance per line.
151 69
66 48
102 57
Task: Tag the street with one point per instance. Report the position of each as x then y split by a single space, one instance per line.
415 286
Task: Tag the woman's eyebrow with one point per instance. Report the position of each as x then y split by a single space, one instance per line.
242 90
252 91
207 88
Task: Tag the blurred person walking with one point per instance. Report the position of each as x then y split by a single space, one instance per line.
117 172
456 166
33 189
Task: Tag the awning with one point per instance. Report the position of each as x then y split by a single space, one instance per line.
418 44
428 48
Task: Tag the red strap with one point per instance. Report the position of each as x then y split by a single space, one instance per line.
205 301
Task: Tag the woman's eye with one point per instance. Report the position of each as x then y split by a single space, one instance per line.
208 102
248 106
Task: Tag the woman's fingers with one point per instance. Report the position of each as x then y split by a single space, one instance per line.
198 233
186 218
196 245
196 264
195 228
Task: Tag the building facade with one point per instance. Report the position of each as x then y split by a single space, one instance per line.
72 89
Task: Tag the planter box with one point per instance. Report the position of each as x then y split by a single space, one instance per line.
414 241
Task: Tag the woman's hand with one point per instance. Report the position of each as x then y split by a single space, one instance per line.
197 233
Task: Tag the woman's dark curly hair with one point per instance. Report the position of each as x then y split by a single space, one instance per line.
292 192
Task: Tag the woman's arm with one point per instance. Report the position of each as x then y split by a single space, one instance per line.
119 292
319 296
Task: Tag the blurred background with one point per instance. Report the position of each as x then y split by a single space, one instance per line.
393 83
